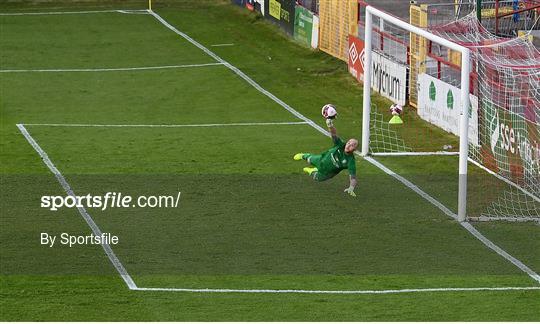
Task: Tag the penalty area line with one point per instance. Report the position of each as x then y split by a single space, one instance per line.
47 13
168 125
82 211
336 292
142 68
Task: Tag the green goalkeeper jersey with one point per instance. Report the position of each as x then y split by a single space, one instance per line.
335 159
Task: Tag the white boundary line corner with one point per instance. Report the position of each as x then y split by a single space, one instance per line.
82 211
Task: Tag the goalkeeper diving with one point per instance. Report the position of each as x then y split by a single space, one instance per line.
328 164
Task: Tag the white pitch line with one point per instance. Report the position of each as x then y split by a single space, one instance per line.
507 181
93 226
471 229
134 12
168 125
406 182
142 68
337 292
468 226
411 186
222 45
132 286
415 153
240 74
45 13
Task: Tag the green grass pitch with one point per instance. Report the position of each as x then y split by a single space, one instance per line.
248 218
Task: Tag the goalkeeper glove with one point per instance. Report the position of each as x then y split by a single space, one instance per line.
329 122
350 191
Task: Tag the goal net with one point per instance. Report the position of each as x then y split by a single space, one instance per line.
507 86
475 96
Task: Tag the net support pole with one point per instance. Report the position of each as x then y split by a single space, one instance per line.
464 134
367 83
479 10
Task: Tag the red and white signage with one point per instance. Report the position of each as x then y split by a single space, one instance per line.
388 77
356 58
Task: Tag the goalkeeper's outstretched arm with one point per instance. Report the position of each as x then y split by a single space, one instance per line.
352 185
352 181
331 128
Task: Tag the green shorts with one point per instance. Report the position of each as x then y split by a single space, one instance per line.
315 160
319 176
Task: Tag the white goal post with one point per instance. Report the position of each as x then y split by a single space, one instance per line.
465 75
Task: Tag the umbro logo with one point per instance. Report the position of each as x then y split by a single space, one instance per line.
354 56
353 53
363 59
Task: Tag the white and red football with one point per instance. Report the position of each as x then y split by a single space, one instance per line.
329 111
396 109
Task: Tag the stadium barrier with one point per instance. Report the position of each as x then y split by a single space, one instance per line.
338 20
304 22
281 13
298 18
